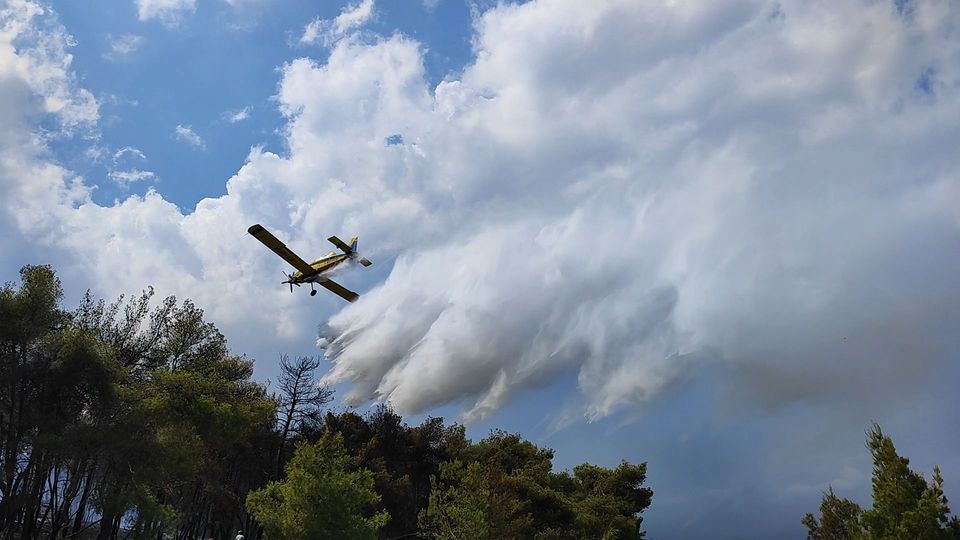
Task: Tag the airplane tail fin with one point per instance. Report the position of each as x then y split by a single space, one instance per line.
350 249
353 249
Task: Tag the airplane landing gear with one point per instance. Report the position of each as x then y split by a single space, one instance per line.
313 292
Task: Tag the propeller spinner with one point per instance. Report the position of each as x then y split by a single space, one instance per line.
290 280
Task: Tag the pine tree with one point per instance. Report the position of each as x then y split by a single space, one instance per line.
320 498
905 507
839 519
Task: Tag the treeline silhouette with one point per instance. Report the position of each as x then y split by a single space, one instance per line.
122 420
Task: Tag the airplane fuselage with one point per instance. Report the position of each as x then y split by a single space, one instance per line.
321 266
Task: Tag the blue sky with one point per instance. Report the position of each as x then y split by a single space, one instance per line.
719 237
216 63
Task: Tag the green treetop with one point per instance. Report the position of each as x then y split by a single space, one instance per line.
320 498
905 506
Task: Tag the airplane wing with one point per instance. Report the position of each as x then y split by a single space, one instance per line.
340 244
280 249
340 290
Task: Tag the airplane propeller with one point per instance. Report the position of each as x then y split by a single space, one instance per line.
289 280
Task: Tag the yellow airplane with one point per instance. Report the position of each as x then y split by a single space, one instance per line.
317 270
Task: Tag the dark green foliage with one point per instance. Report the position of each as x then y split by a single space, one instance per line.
504 488
905 506
839 519
120 414
500 487
607 502
402 460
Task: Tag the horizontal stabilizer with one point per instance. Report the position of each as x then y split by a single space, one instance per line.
340 244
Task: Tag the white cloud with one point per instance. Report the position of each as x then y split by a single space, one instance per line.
613 190
696 181
186 133
123 46
123 172
39 63
169 12
327 32
131 176
128 151
237 116
430 5
37 83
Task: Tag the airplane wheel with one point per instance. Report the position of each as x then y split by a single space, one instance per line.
313 293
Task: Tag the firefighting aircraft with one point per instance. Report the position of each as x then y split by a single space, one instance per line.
316 271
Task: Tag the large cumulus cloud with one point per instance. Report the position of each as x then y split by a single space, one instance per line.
634 190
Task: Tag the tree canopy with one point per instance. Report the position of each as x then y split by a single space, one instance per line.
320 497
132 419
905 505
119 415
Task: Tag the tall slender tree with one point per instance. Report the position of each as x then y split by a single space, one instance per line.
300 400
